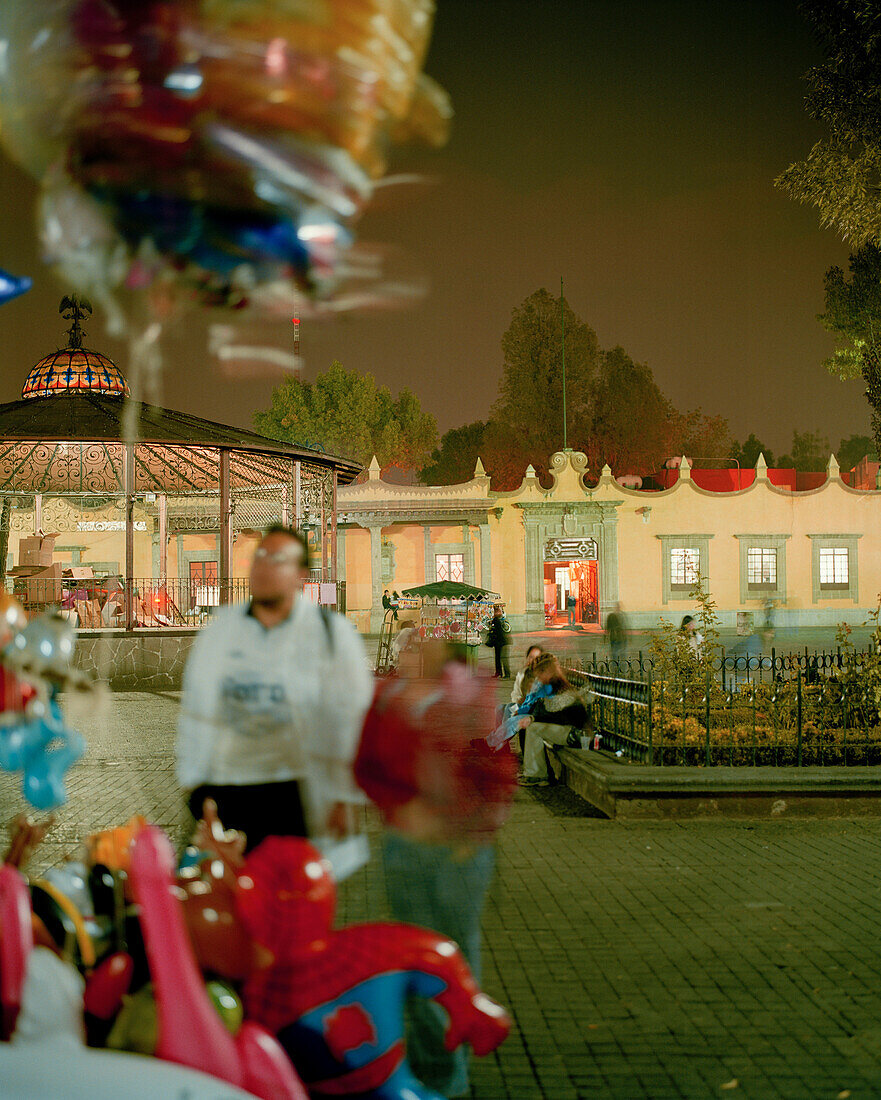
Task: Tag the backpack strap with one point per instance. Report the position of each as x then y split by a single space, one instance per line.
326 618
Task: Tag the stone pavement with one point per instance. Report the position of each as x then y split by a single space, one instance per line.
639 960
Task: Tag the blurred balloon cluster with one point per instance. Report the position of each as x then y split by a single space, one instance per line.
36 663
214 150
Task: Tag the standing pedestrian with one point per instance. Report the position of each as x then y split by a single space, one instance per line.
274 695
616 633
498 638
688 628
442 793
571 605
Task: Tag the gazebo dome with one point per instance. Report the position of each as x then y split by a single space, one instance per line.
74 369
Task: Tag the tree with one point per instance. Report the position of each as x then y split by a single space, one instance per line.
633 427
810 452
346 413
530 403
454 460
853 313
853 449
706 439
840 175
748 455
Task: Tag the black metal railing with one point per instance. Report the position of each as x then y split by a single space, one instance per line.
733 666
110 602
802 709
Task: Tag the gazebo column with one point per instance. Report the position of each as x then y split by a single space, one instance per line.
225 527
129 487
38 513
333 535
163 538
485 555
298 499
377 611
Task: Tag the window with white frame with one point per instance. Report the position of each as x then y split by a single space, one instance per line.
761 567
834 567
685 564
449 567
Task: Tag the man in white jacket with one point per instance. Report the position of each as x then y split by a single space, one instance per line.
274 697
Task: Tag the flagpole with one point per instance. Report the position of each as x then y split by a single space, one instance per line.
563 346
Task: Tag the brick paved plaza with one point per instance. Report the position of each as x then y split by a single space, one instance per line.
652 960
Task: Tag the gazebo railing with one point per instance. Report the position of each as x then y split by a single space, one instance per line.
110 603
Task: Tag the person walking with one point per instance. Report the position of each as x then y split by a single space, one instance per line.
498 638
442 794
274 695
571 605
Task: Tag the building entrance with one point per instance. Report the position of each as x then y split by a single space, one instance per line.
570 572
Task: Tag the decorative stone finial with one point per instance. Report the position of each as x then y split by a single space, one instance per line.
530 471
761 468
478 468
373 470
684 469
606 472
832 468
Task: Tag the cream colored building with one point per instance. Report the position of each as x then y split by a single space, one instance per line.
816 554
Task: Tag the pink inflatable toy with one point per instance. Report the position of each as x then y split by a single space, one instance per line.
190 1032
16 942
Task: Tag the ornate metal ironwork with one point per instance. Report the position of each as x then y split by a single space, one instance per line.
577 549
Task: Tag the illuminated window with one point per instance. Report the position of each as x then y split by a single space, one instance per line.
761 567
450 567
684 566
834 567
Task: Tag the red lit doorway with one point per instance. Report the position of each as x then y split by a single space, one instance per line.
578 578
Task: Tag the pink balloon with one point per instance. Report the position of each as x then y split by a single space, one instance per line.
268 1070
16 943
190 1032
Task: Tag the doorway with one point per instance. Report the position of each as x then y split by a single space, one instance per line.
576 578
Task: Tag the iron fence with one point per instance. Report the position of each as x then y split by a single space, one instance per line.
734 666
801 709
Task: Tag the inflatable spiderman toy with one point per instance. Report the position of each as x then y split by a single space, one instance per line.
335 999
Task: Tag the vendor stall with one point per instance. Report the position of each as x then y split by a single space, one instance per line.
450 611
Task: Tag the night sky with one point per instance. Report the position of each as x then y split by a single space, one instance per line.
628 146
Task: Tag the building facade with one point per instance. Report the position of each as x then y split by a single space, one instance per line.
815 554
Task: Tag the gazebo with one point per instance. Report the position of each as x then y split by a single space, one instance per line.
131 517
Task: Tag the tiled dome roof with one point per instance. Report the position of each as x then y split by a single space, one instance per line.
74 369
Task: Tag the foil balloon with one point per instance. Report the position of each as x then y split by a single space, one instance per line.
42 747
13 618
47 1057
44 648
11 286
222 148
336 998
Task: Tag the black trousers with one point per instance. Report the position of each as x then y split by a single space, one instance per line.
258 810
501 653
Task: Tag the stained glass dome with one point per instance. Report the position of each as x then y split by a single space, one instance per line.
74 369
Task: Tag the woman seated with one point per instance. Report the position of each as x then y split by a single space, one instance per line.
551 718
528 690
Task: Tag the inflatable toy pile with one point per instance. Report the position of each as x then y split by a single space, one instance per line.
226 967
214 150
36 663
